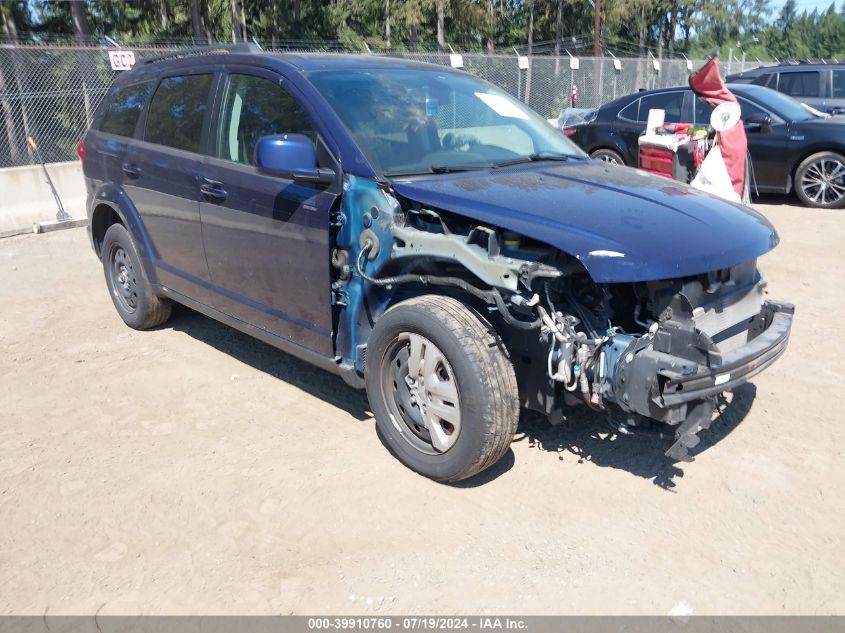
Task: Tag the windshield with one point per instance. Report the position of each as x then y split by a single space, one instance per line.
425 121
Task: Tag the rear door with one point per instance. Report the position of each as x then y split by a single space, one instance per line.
161 177
112 134
266 237
804 85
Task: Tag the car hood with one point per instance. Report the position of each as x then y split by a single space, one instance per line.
623 224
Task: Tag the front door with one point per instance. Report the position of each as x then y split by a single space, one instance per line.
266 237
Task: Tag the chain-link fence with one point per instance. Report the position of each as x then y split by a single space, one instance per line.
50 92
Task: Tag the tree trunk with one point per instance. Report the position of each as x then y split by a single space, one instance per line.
8 120
673 25
165 15
274 23
414 32
80 30
597 29
80 24
641 44
296 12
530 51
491 33
661 35
196 21
387 22
558 35
441 24
244 33
11 29
236 20
206 21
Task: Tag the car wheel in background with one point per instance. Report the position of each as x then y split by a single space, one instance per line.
130 290
442 388
608 156
820 181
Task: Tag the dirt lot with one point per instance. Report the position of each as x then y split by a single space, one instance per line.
192 469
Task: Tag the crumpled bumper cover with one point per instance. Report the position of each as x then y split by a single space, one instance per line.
665 386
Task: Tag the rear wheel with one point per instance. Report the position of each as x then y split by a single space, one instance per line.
442 388
608 156
130 290
820 181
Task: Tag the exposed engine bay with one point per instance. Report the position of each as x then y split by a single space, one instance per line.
660 350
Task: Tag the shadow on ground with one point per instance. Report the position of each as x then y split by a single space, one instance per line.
314 381
586 437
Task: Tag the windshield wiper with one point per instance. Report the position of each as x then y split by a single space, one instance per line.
435 169
448 169
531 158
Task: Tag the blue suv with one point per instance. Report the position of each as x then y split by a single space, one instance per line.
424 235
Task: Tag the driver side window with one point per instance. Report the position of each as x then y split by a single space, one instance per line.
254 107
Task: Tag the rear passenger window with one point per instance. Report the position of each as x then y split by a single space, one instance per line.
799 84
670 102
254 107
703 110
125 108
176 112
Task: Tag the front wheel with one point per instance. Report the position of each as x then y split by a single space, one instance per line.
442 388
820 181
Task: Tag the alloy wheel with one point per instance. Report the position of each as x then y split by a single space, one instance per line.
823 182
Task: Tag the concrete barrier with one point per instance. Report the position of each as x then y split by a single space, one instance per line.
25 196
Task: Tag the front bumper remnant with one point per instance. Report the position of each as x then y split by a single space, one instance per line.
675 376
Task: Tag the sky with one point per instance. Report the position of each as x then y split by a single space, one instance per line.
809 5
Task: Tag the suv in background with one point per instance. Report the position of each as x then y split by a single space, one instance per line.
821 86
421 233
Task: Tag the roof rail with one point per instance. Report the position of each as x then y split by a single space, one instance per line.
213 49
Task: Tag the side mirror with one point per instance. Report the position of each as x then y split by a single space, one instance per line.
291 156
759 120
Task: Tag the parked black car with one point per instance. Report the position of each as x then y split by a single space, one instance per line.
791 147
421 233
819 85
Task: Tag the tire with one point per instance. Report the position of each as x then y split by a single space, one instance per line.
608 156
128 284
820 181
476 388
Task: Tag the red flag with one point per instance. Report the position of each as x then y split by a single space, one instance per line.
707 83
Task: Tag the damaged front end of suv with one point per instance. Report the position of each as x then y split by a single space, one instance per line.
482 264
603 328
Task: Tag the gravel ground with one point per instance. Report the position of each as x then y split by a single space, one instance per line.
192 469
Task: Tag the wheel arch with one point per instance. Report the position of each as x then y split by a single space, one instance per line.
807 153
611 146
111 206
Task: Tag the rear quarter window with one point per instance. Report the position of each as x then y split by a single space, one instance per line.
125 106
630 111
177 112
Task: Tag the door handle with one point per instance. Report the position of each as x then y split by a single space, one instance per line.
132 170
212 190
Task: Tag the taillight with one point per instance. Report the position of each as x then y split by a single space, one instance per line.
80 150
569 131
